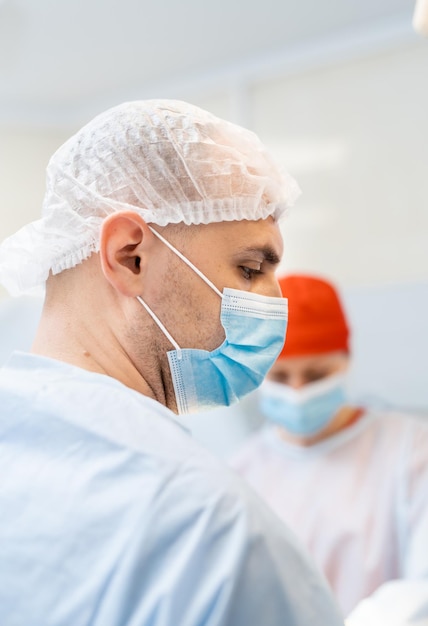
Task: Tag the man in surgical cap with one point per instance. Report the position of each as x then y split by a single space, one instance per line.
158 244
364 470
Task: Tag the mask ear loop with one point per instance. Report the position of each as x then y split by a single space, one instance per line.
195 269
189 263
161 326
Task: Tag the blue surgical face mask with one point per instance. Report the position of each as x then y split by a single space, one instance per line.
304 411
255 328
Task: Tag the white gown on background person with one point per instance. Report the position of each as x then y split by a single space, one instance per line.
359 502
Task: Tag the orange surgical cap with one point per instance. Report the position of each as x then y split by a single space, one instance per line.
316 322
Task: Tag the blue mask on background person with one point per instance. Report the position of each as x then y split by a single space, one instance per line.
304 411
254 326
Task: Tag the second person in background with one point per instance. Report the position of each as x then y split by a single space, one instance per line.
351 481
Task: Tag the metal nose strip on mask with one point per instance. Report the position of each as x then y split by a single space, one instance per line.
189 263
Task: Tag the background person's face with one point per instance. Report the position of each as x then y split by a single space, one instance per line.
302 370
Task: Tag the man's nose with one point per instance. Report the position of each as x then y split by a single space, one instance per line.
296 381
271 287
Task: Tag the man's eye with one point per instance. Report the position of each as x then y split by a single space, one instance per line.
249 272
312 377
280 378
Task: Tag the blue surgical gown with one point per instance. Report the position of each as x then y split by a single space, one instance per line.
111 515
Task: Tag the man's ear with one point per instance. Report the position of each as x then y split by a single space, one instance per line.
124 239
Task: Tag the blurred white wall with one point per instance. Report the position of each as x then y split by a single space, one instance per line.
19 318
24 154
356 137
389 345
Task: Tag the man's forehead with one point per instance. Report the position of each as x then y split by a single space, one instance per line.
261 236
251 237
309 361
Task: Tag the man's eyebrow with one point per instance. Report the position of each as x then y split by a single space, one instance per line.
267 253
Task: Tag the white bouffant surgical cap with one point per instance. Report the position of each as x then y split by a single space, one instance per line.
167 160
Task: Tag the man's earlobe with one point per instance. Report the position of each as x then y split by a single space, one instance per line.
121 247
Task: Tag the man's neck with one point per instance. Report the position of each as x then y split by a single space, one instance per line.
96 349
